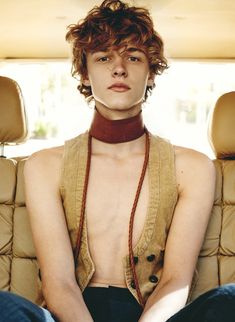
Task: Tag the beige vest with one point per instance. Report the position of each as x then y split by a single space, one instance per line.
163 197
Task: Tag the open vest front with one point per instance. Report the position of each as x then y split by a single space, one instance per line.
163 196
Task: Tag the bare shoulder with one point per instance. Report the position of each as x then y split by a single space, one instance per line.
51 157
44 165
186 155
193 167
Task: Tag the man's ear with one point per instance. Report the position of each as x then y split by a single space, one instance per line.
86 81
151 79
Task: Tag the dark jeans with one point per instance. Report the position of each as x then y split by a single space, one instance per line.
118 305
217 305
112 304
14 308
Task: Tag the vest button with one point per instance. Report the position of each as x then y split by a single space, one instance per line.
133 284
151 258
136 259
153 278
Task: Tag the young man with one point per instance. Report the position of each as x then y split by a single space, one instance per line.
123 216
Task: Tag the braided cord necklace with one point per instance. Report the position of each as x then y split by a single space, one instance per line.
132 215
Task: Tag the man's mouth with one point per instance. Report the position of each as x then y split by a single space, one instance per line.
119 87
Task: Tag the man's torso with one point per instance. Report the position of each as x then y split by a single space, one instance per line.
111 191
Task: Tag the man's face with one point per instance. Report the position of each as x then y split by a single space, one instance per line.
118 78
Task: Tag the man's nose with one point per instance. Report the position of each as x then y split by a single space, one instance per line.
119 68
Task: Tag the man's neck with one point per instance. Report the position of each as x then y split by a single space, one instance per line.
117 114
119 151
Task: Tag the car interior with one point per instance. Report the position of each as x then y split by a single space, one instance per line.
19 269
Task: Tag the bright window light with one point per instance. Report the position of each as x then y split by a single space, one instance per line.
178 109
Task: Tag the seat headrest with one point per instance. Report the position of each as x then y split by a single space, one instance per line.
13 121
221 129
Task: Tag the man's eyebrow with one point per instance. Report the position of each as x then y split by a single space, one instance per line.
128 50
134 49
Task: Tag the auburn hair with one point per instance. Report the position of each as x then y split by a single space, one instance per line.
114 24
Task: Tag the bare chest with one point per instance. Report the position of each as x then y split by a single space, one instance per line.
110 197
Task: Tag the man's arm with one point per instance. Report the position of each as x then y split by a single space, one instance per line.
196 185
53 248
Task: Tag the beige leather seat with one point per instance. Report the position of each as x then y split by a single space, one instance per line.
18 265
216 264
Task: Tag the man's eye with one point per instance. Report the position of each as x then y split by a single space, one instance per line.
103 59
133 58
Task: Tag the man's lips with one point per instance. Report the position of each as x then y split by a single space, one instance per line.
119 87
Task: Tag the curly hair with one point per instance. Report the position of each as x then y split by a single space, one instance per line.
114 24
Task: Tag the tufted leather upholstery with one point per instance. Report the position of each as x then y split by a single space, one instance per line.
18 265
216 265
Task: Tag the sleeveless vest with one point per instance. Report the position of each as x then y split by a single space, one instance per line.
163 195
